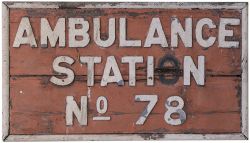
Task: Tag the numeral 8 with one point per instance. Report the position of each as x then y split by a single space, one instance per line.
175 109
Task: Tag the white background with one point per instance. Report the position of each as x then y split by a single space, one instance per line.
190 141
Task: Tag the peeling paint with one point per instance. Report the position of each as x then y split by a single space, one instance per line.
42 80
89 93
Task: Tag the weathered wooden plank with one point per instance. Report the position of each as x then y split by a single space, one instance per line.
30 123
228 61
204 114
198 98
37 107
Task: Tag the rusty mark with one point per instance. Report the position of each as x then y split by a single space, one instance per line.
85 12
169 59
150 78
238 95
36 13
217 12
151 136
67 5
181 116
50 127
145 112
33 46
45 80
104 36
121 82
44 45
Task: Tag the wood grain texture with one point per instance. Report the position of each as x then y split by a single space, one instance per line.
218 60
47 106
38 107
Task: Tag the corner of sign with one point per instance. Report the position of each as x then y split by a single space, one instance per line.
244 5
5 3
5 137
245 135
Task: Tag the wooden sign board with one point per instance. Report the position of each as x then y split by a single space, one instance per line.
124 71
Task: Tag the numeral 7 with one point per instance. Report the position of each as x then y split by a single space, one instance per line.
152 102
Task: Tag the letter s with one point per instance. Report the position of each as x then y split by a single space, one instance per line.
63 70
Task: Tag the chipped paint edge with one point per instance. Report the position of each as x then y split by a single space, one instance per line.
110 137
5 71
169 5
243 6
